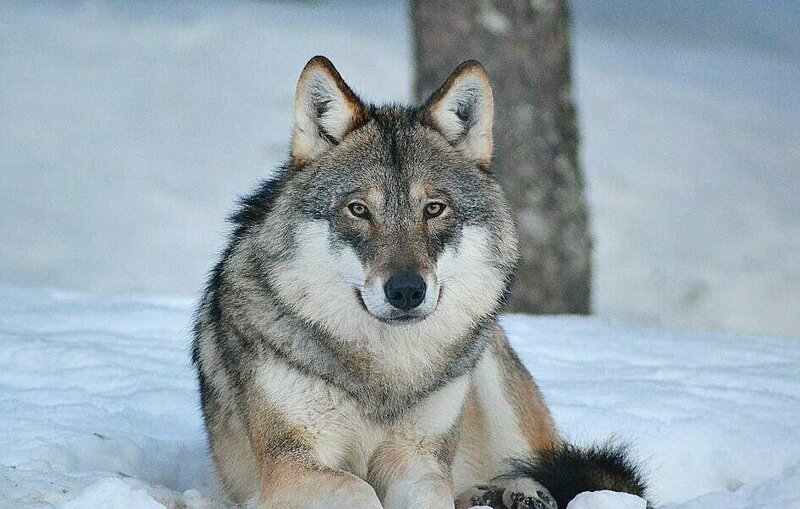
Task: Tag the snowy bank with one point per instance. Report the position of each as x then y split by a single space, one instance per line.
98 404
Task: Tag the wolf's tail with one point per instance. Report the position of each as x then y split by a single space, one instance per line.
568 470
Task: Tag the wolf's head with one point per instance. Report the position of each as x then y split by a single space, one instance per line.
386 217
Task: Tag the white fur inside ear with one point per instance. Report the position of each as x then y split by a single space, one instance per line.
464 115
323 114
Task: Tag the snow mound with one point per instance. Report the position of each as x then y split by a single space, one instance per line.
98 404
112 493
607 500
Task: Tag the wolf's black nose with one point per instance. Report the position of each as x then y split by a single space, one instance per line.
405 290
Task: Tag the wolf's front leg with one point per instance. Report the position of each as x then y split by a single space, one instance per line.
293 484
291 472
409 478
412 468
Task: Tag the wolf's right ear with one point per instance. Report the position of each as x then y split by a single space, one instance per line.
325 110
463 111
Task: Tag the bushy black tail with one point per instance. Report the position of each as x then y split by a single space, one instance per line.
569 470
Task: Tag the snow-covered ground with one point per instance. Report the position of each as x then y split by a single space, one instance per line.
98 404
127 129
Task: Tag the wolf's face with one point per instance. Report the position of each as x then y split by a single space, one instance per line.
388 217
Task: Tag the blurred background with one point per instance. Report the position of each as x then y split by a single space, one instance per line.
129 129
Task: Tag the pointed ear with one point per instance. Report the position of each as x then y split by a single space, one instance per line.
463 111
325 110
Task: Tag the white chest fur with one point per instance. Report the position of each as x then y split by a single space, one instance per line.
344 438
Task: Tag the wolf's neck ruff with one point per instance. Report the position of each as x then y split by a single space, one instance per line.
347 345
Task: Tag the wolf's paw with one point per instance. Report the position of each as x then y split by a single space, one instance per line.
520 500
481 495
514 494
526 493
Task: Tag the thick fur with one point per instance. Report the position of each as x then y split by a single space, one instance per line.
316 390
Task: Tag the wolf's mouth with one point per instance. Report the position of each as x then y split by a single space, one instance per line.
361 300
393 319
403 319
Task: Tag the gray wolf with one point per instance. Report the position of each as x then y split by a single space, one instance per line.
347 345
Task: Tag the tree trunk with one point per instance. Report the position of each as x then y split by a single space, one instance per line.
525 46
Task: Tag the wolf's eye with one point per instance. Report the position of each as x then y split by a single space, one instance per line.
434 209
359 210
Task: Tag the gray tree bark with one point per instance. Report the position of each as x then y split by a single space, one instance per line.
525 46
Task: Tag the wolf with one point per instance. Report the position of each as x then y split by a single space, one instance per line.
347 346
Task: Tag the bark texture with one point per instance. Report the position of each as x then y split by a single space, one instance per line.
525 46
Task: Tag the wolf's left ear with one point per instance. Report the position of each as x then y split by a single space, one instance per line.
463 111
325 110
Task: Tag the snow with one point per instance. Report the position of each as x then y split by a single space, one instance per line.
112 493
606 500
98 404
129 128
